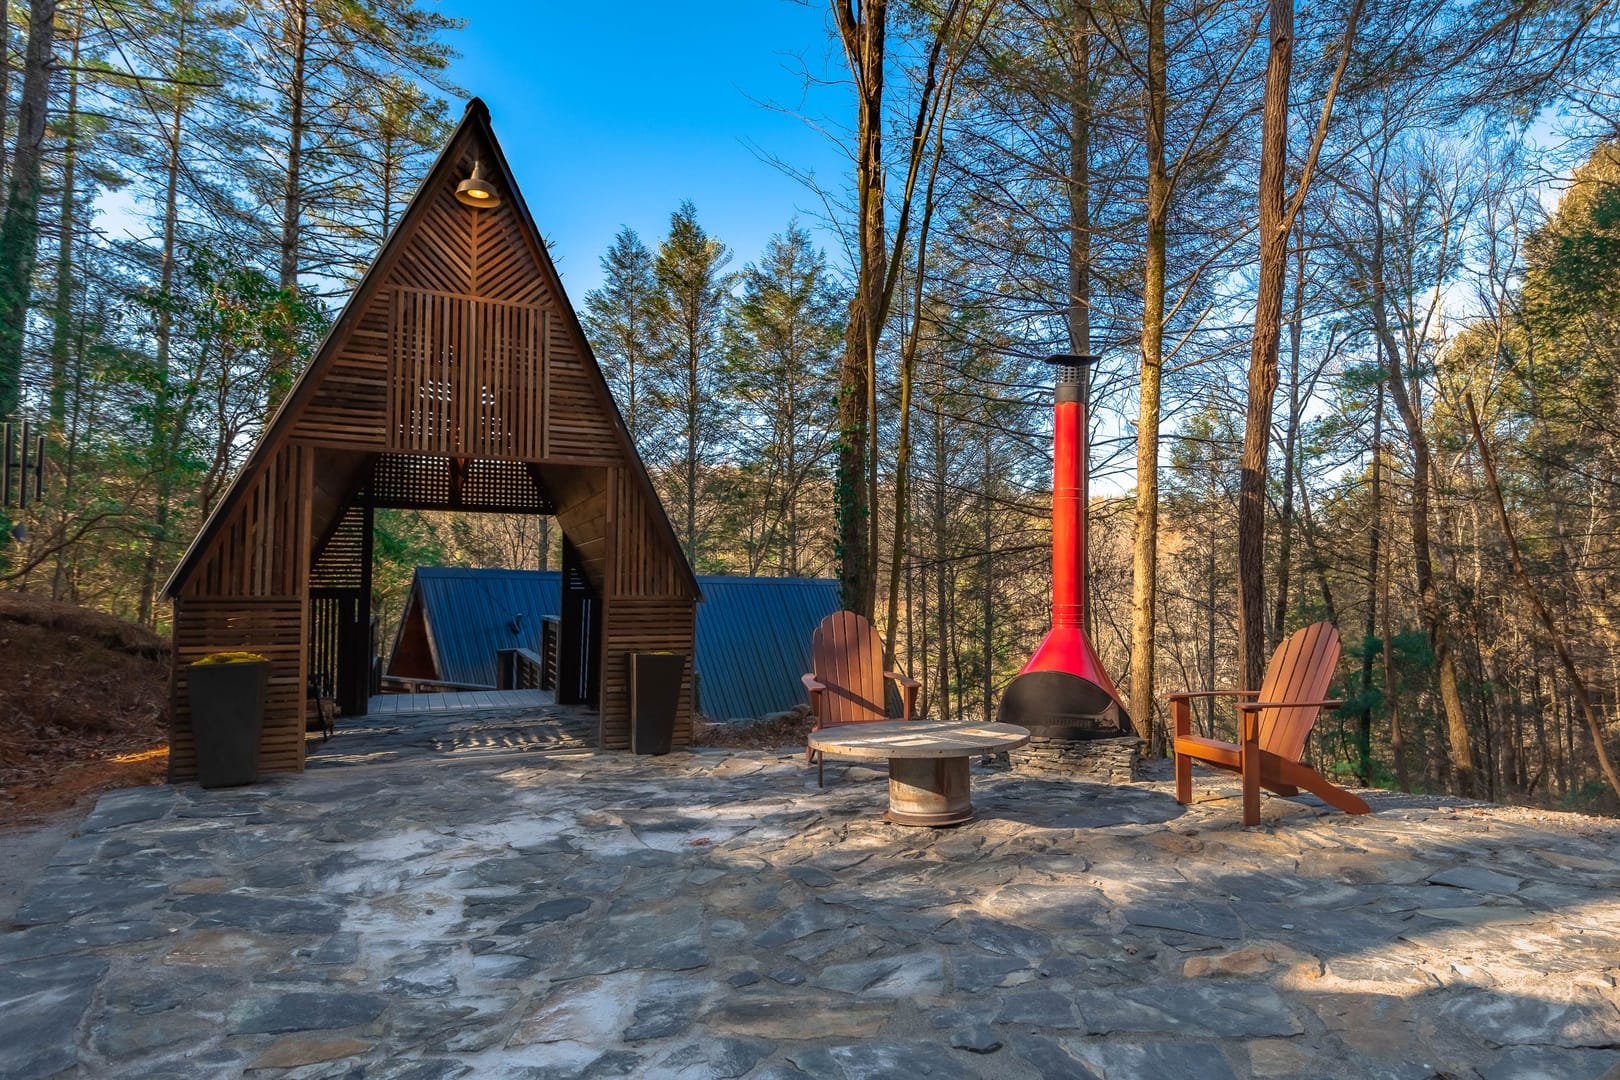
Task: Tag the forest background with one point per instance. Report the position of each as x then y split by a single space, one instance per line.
1353 273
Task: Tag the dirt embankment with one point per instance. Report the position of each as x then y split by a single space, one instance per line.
83 705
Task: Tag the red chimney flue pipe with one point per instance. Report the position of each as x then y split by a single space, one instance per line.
1063 692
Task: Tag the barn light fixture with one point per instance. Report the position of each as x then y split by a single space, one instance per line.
476 191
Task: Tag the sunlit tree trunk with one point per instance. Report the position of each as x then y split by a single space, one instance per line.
1144 563
19 230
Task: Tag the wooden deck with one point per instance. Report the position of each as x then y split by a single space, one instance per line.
457 701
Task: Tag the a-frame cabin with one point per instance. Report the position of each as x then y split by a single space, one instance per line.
456 378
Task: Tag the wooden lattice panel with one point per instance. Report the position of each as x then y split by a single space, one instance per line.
643 626
271 626
262 548
411 482
467 377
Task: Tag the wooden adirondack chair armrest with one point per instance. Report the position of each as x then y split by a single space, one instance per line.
908 692
1187 695
1256 706
812 684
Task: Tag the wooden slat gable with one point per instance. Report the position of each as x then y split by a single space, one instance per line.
459 343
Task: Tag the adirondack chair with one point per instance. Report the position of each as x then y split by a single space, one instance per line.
1273 727
846 686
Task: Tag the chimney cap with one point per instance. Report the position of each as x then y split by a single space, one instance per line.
1071 367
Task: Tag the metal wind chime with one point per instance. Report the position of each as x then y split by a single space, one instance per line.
22 469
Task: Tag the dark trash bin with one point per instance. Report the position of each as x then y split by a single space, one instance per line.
227 716
655 690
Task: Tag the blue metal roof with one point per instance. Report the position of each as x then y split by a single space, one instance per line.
753 634
753 642
470 615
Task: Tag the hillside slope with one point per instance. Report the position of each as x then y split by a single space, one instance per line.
83 705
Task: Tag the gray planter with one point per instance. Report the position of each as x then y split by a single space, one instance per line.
227 715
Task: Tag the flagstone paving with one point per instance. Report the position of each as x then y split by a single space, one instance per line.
497 900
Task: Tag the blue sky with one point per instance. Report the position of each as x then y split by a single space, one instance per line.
612 113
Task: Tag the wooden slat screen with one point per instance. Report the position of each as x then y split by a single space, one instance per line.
467 376
263 547
349 407
646 565
271 626
579 426
643 626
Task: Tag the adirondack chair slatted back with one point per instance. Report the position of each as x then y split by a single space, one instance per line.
848 657
1300 670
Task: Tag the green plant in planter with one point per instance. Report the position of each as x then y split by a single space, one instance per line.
226 691
231 658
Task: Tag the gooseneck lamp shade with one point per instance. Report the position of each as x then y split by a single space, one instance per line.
476 191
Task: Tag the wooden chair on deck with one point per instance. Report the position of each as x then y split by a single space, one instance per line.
847 686
1272 727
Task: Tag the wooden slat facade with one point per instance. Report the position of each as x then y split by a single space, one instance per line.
459 371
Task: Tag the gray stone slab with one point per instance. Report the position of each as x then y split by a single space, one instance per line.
978 1039
44 1002
1173 1060
1037 1008
262 914
305 1011
56 939
802 922
1580 1018
720 1059
109 899
1050 1059
559 910
912 975
1478 879
1205 919
973 973
1546 1063
886 1060
660 941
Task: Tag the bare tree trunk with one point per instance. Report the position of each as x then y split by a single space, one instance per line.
1560 645
1276 220
165 432
296 26
1410 412
862 26
19 230
62 320
1375 533
5 80
1145 549
1397 738
988 581
1285 523
1263 351
908 368
941 607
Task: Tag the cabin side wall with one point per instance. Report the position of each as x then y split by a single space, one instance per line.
250 593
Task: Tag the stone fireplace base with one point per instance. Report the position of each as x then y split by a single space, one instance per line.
1103 761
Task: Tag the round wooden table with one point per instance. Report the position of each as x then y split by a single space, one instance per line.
928 762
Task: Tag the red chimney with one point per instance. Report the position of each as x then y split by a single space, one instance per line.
1063 692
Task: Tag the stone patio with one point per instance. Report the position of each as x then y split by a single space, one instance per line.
490 897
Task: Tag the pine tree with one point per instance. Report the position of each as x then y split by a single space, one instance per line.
782 348
621 319
691 305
